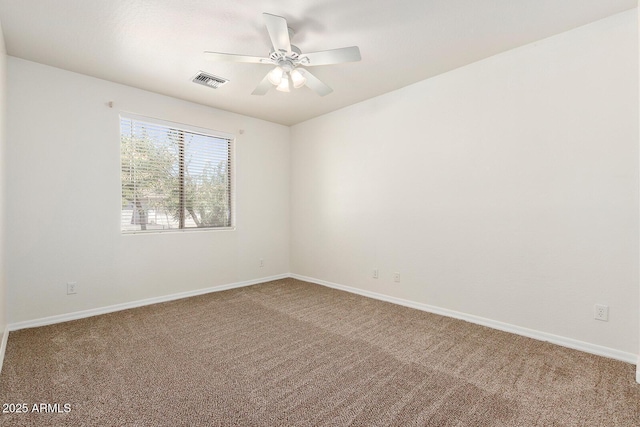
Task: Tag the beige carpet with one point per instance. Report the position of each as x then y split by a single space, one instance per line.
291 353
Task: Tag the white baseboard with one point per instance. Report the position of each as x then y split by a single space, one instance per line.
133 304
542 336
506 327
3 346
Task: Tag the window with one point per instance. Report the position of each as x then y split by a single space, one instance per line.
174 177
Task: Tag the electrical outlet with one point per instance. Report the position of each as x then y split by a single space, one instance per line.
261 263
601 312
375 273
71 288
396 277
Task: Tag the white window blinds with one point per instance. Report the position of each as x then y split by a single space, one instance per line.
174 177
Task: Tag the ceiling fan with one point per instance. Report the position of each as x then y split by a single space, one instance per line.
290 63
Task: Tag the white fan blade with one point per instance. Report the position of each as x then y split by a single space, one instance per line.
230 57
334 56
314 83
263 87
278 32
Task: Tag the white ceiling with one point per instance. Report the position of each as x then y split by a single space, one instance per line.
158 45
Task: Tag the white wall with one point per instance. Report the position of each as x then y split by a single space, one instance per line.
638 21
3 98
506 189
64 199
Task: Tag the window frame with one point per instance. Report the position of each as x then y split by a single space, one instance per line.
196 130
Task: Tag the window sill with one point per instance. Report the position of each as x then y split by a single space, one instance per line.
178 230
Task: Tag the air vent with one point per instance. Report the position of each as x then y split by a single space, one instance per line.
209 80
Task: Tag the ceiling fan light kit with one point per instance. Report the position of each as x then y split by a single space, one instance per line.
283 86
287 58
275 75
298 79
